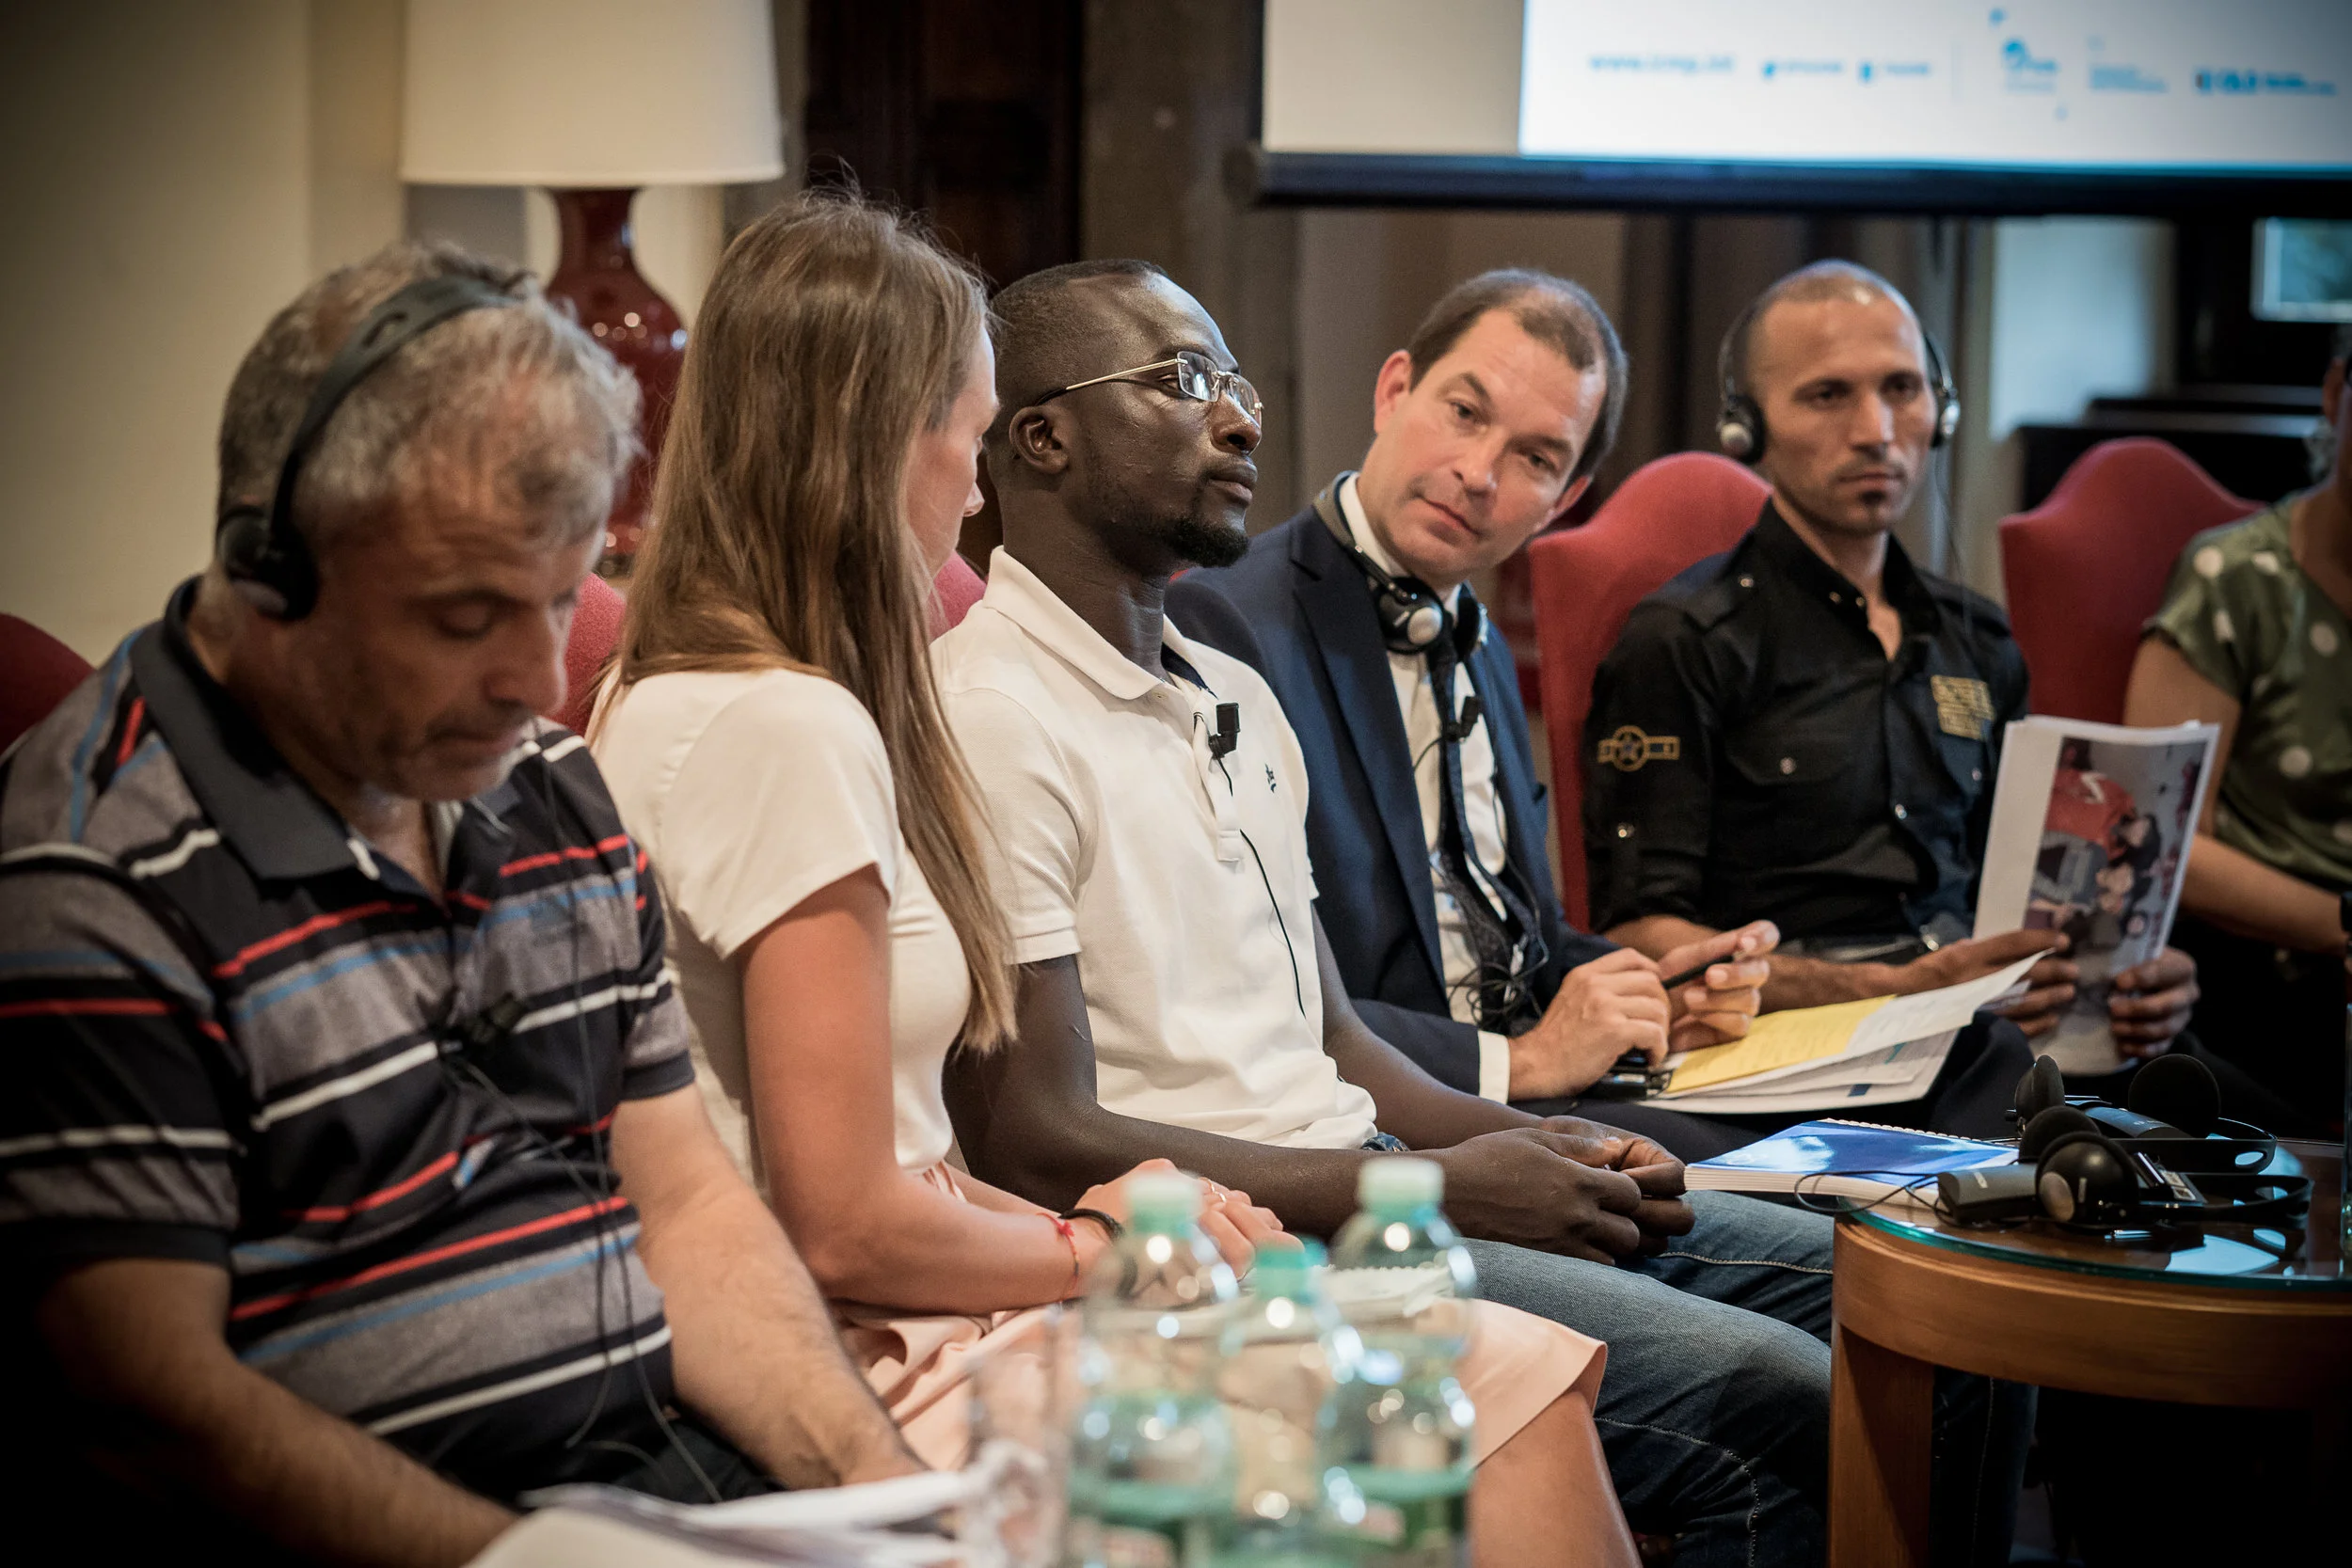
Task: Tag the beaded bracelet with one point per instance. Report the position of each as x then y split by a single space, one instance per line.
1111 1227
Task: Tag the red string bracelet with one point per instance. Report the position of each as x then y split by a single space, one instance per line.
1070 1238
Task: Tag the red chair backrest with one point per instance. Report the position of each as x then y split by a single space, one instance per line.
2085 567
955 591
1669 515
37 672
597 631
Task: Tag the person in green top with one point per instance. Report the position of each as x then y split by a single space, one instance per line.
2255 635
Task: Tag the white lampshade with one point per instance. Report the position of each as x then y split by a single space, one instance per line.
590 94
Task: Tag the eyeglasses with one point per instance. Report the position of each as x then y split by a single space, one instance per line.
1190 377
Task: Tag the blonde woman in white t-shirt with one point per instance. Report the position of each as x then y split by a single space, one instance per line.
771 735
773 738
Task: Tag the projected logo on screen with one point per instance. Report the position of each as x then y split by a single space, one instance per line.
2100 85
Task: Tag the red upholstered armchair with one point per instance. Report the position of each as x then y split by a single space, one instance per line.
1670 514
596 632
37 672
956 590
2085 567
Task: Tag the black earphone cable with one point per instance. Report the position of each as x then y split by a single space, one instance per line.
602 1141
1529 952
1838 1203
1201 722
1298 984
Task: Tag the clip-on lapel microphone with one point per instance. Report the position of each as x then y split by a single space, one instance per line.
1228 732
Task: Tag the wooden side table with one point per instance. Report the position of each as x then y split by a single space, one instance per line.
2236 1317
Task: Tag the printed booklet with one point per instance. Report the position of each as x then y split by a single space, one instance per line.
2090 836
1845 1159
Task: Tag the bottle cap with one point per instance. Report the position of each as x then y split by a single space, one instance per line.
1396 1184
1163 1203
1283 1271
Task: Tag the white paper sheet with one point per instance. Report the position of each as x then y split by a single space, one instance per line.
819 1528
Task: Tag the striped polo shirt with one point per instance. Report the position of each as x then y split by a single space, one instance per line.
234 1034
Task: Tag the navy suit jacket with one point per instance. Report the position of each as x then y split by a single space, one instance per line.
1295 609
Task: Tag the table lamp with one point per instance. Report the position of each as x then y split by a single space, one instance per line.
595 99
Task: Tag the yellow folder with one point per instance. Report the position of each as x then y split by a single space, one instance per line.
1776 1040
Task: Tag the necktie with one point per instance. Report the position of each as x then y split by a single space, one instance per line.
1497 915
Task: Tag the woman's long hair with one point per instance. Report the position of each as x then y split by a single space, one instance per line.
831 334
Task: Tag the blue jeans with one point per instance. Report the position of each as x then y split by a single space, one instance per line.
1715 1408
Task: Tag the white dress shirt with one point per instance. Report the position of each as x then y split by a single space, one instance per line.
1417 700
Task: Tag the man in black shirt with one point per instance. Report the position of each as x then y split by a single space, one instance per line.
1808 728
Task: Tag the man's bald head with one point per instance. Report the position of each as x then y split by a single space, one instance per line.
1820 283
1833 359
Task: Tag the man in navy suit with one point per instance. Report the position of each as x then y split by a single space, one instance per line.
1425 820
1426 824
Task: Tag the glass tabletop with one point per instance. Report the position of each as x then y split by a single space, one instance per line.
2257 1258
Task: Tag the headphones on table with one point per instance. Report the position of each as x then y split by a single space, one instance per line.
1739 426
2172 1111
265 557
1412 617
2170 1159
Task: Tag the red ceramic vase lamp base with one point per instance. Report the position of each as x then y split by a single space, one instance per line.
597 276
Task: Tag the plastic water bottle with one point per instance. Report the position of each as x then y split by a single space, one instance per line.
1288 1359
1152 1471
1402 1445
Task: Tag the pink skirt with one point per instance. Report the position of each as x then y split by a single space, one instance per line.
921 1367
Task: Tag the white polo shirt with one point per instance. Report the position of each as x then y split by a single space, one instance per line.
1179 880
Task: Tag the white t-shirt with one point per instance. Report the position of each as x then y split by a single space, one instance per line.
1482 804
1179 880
750 792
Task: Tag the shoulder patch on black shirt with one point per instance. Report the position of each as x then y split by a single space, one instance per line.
1629 749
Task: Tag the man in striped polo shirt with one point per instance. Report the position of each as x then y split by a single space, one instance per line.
351 1170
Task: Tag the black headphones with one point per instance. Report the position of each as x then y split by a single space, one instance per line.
2089 1179
1739 427
260 549
2172 1112
1412 617
2097 1166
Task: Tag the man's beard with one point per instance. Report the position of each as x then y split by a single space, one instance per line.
1829 521
1195 537
1195 534
1204 543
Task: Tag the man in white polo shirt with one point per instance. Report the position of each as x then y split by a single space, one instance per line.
1177 996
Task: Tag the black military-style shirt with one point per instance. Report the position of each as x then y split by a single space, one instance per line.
1754 753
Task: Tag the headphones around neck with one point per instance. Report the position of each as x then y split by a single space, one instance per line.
265 556
1412 617
1739 427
